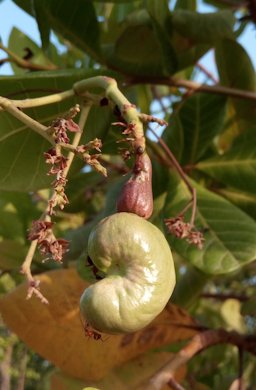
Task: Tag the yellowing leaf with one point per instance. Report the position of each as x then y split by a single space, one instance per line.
127 377
55 331
231 313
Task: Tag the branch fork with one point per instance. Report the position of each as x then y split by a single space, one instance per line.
130 119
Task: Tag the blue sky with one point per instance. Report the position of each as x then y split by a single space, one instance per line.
12 16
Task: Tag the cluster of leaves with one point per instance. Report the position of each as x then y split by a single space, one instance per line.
140 43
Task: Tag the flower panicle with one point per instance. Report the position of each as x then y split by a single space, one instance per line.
92 159
60 126
185 230
48 244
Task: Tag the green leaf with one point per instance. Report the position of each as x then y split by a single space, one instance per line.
21 150
76 191
189 287
25 211
232 4
132 52
12 254
11 226
185 4
241 73
173 136
159 13
230 311
188 53
230 236
204 28
76 22
193 127
21 157
18 43
155 30
78 239
237 167
42 23
236 71
116 1
115 16
27 6
243 200
144 97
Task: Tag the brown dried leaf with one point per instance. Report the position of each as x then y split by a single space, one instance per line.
55 331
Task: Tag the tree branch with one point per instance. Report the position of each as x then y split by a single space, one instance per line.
223 297
44 100
197 344
194 86
207 73
7 105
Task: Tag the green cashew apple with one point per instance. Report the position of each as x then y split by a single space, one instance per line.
140 275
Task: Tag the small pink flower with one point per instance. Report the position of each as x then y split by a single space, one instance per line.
57 249
181 229
178 227
196 238
72 126
95 144
59 199
39 229
60 181
50 156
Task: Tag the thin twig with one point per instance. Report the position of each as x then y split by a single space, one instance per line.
194 86
82 119
7 105
241 368
43 100
159 99
6 363
180 171
26 266
207 73
22 369
234 4
223 297
26 270
175 385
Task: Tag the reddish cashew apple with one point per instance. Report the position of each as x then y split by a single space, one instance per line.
136 196
140 275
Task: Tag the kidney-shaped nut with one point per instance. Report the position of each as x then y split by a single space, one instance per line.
140 275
